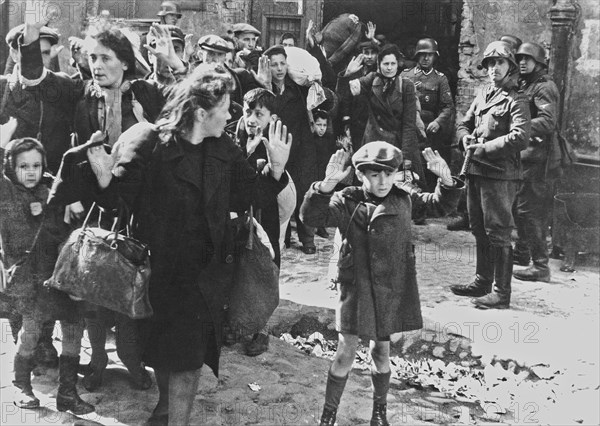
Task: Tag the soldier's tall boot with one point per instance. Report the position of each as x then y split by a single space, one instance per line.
500 298
484 278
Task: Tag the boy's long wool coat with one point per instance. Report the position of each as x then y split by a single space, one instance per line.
377 276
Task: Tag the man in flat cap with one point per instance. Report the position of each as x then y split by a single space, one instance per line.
48 42
214 49
245 36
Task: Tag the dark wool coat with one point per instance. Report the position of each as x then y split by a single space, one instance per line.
354 110
26 105
500 118
18 227
290 106
392 116
166 193
543 151
376 268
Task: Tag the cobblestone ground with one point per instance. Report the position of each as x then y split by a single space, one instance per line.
540 358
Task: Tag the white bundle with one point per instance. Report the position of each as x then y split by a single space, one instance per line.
305 70
303 67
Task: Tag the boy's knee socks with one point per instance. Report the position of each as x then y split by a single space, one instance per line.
381 385
334 390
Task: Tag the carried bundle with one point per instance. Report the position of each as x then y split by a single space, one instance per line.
340 37
305 70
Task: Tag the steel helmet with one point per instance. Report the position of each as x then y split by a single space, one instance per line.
426 45
499 49
514 41
536 51
169 7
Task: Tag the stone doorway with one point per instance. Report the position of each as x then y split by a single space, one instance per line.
403 22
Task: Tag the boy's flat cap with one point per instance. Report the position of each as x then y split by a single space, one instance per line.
244 28
378 155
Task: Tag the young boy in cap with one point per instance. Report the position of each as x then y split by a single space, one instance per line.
376 265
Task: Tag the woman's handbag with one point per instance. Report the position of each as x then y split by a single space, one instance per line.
255 291
105 268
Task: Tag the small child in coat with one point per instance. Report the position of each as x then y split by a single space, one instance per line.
376 265
31 233
325 144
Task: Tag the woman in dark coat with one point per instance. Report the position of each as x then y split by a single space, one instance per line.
392 104
111 102
182 178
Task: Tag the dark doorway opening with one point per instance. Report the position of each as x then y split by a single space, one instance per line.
403 22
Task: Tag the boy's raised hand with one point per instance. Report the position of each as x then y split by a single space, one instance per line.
278 148
263 76
337 170
355 64
37 15
164 50
438 166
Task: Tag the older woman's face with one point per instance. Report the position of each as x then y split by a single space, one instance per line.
388 66
216 118
107 69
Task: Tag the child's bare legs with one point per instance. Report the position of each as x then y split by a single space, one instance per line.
344 355
380 378
338 376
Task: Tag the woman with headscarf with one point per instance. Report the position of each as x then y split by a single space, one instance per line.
392 104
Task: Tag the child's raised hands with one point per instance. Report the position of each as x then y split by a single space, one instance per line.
278 147
438 166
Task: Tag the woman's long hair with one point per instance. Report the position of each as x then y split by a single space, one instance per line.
204 88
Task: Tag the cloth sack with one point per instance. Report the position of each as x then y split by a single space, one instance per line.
254 293
105 268
305 70
340 37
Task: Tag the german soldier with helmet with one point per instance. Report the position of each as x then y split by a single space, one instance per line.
169 13
541 163
495 129
433 90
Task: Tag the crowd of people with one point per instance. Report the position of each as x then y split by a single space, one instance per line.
184 134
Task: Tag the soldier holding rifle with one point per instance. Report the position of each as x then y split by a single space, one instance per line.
493 132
